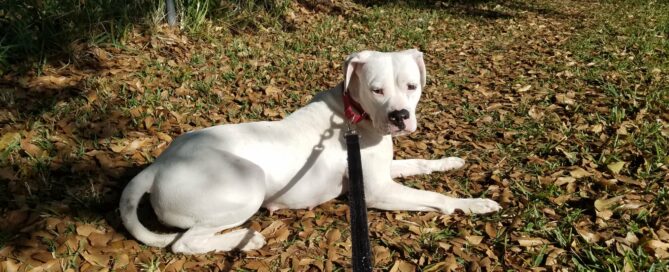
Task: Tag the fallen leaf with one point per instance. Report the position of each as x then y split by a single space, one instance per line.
164 136
333 236
535 113
99 239
382 255
657 244
148 122
9 139
96 259
86 230
616 166
403 266
135 144
563 99
564 180
524 88
272 91
530 242
10 266
551 259
474 239
53 82
604 204
32 149
490 230
121 261
588 235
257 265
579 172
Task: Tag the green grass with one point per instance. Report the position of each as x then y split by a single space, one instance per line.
42 31
613 58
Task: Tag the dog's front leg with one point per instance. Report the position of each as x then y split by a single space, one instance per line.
412 167
390 195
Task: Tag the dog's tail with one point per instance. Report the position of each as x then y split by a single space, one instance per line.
130 198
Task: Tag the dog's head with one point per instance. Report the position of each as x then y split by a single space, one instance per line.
387 86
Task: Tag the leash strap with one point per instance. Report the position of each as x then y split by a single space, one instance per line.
361 250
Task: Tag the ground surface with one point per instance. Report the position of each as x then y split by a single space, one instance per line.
559 107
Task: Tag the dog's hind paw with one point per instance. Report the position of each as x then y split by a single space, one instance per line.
451 163
253 242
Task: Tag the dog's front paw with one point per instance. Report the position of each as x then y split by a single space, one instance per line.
480 205
451 163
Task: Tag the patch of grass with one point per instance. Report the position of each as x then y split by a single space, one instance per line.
41 28
35 31
517 143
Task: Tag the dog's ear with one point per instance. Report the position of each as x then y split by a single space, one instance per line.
418 56
353 62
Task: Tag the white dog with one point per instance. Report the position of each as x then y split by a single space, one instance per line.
216 178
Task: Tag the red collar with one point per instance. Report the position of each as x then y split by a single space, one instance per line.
353 110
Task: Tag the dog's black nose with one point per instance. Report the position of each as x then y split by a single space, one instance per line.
397 118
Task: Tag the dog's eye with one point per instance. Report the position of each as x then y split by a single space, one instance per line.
377 90
411 86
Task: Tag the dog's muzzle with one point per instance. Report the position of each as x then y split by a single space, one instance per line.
397 118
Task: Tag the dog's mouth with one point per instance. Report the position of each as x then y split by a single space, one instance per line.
395 131
399 133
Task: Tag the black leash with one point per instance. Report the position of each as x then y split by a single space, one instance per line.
361 250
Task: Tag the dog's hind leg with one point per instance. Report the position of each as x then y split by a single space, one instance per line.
199 240
207 194
405 168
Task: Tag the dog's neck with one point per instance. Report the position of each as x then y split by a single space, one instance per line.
352 109
335 101
329 105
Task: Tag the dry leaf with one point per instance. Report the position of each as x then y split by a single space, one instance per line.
551 259
616 166
403 266
535 114
9 139
530 242
490 230
272 91
10 266
135 144
96 259
657 244
53 82
164 137
604 204
121 261
474 239
564 180
86 230
587 234
32 149
382 255
524 88
333 236
99 239
148 122
257 265
579 172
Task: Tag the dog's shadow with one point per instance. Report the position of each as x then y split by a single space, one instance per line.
316 152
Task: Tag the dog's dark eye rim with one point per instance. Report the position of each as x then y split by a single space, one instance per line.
411 86
377 90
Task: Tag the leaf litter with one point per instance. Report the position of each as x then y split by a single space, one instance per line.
507 91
